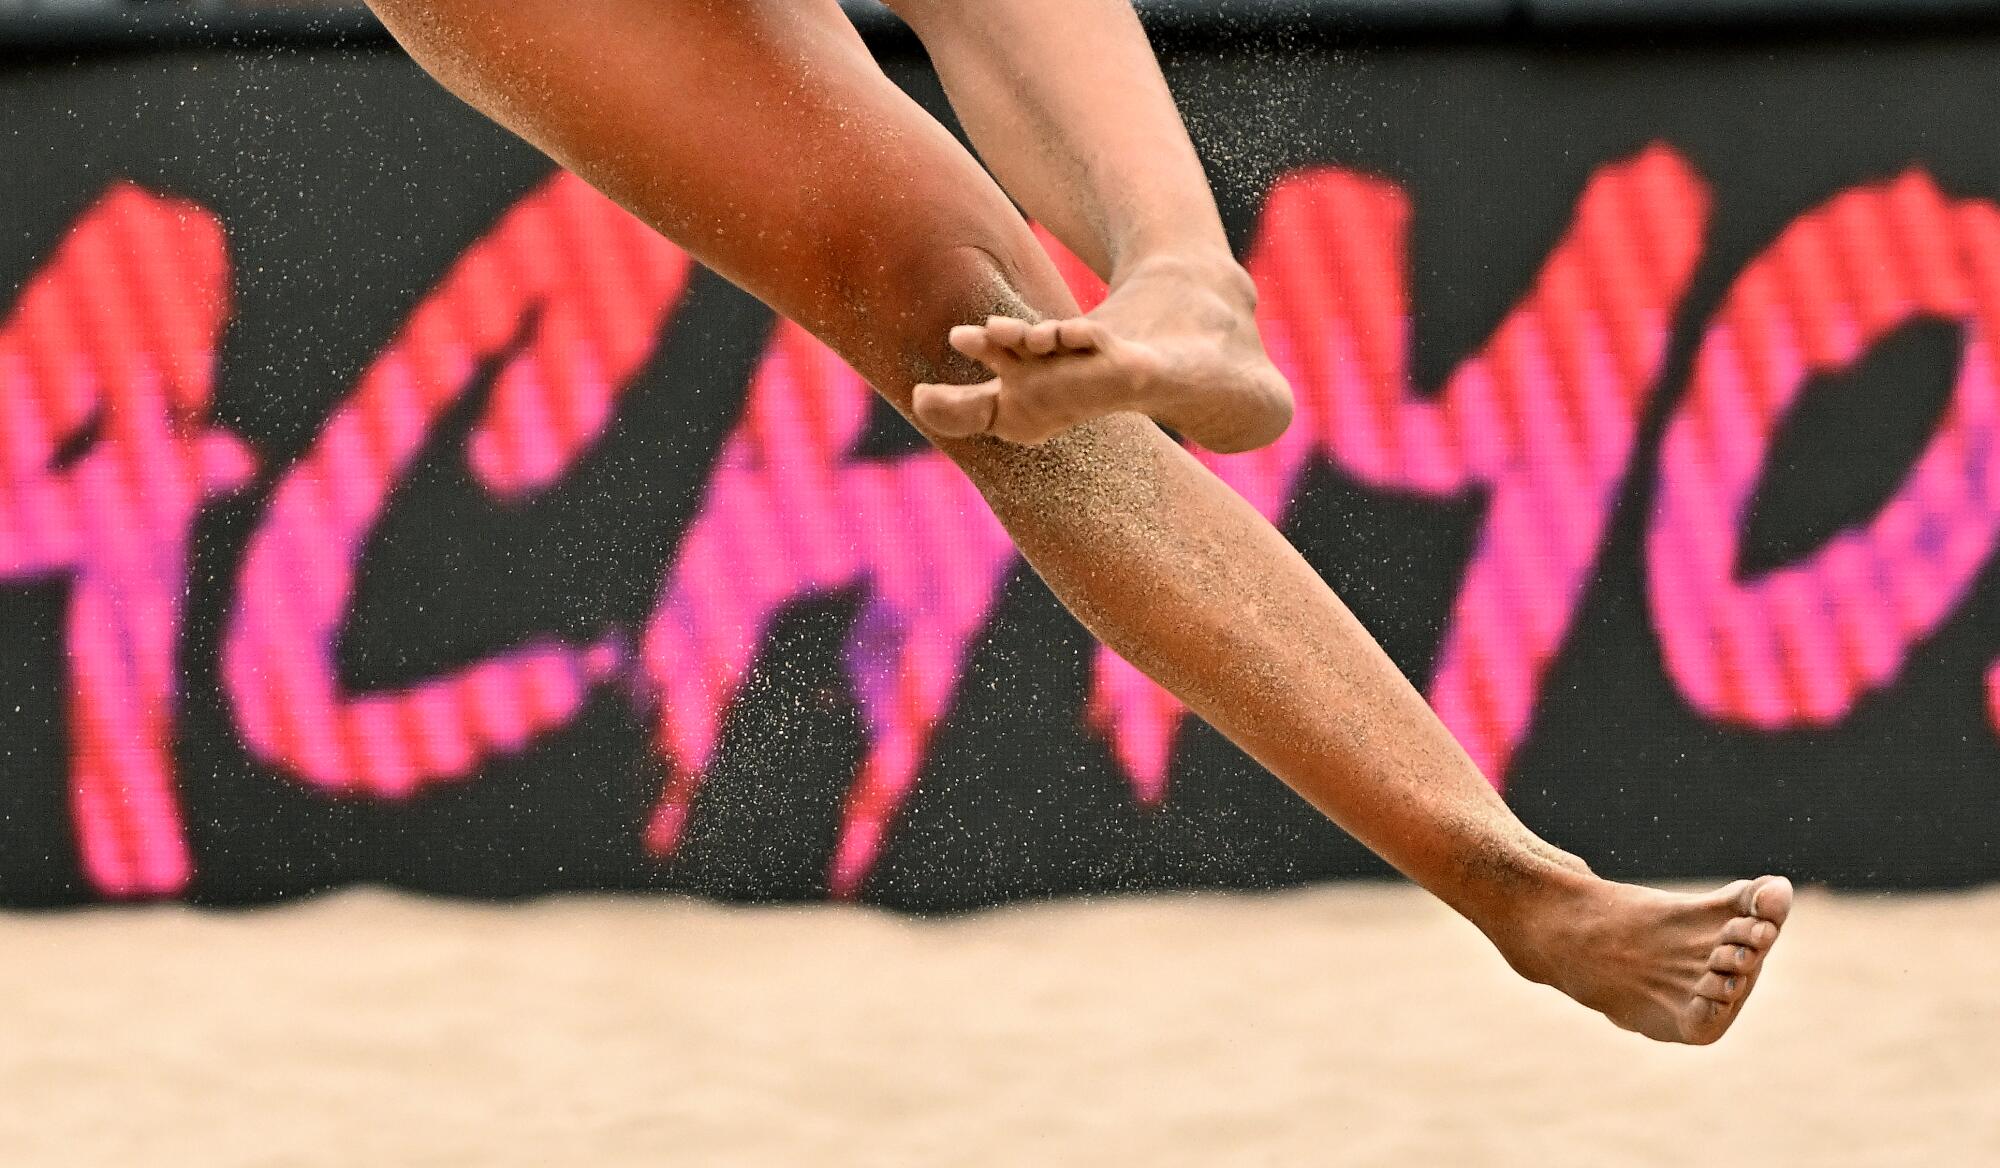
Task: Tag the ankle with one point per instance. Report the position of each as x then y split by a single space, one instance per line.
1206 265
1533 914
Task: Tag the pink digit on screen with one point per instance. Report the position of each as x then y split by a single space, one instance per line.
1543 419
1799 645
113 342
598 287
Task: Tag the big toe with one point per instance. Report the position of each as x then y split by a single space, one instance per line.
957 411
1768 898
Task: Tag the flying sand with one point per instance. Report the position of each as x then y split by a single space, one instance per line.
761 137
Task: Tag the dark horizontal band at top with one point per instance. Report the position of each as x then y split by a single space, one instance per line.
86 23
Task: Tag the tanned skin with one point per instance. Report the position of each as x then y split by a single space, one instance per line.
760 136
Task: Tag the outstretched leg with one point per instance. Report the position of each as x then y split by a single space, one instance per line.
1065 102
760 136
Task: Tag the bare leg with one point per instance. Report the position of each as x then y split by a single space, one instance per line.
1065 102
861 218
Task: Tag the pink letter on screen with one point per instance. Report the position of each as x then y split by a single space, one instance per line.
1799 645
113 343
598 286
1543 418
788 514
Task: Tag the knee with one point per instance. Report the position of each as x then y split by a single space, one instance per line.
924 293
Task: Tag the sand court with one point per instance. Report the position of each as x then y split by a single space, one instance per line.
1343 1025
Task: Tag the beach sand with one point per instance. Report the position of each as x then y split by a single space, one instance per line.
1344 1025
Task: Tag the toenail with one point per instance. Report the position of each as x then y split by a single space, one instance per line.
1730 985
1742 953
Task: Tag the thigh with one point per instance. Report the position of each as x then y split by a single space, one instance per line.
761 137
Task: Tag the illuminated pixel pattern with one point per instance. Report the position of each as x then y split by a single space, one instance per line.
108 356
1799 645
107 362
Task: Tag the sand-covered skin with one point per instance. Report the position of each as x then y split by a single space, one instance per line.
1350 1025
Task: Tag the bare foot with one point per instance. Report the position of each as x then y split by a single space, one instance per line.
1675 968
1175 340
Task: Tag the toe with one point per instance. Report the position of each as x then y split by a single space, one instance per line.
972 340
957 411
1727 988
1735 959
1081 335
1757 934
1017 420
1703 1020
1043 338
1771 899
1008 333
1735 894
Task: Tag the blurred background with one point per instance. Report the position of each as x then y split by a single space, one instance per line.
382 512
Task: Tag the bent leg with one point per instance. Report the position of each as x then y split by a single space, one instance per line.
1065 102
759 135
